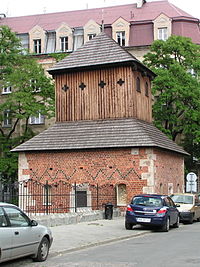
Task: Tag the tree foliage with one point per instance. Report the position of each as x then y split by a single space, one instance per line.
176 89
32 93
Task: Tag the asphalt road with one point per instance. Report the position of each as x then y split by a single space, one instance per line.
177 248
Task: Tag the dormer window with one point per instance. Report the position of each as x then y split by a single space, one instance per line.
37 46
162 34
162 27
91 29
64 43
121 38
91 36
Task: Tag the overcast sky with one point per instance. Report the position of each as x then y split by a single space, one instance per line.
14 8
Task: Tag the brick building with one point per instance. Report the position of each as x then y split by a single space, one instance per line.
103 133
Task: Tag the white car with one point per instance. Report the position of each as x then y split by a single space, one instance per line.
189 206
20 236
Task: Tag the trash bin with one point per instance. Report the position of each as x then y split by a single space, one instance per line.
108 211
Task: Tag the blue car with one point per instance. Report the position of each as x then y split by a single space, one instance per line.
152 210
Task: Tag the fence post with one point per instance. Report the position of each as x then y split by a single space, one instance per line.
75 197
47 197
97 196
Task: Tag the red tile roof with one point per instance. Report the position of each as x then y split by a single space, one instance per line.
78 18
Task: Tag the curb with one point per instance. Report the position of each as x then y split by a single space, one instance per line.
65 251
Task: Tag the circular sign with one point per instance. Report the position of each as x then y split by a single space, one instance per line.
191 177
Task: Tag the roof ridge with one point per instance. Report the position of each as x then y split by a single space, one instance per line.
100 50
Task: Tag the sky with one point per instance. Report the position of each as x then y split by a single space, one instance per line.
13 8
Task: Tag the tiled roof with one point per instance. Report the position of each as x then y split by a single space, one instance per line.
118 133
101 50
79 18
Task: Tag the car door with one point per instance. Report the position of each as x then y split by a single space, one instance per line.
5 237
25 239
172 210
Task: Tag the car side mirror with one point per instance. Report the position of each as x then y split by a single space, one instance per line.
177 205
33 223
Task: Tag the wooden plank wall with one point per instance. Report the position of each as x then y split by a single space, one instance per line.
94 102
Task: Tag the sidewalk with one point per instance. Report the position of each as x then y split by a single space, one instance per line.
68 238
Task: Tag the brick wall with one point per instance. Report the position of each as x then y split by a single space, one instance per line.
141 170
169 172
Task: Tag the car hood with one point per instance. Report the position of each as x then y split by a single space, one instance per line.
184 207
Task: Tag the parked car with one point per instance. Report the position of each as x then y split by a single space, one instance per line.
152 209
20 236
189 206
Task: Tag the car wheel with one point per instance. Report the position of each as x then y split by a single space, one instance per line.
43 250
191 220
165 227
128 226
176 225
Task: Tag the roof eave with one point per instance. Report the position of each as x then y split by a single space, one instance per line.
134 63
19 150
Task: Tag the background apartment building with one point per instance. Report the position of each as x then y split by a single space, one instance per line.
133 26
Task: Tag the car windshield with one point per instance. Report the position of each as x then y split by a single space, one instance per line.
182 199
147 201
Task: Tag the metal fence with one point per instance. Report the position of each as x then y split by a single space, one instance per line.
60 197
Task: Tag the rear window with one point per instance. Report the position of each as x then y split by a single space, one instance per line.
182 199
147 201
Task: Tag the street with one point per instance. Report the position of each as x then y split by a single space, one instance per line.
178 247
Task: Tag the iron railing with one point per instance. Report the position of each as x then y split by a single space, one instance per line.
60 197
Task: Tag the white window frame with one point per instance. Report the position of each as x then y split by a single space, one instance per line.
33 85
64 43
163 33
37 46
7 121
6 90
40 119
91 36
121 38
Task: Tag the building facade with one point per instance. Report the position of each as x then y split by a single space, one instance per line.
134 26
103 133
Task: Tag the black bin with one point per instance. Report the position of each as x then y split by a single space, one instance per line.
108 211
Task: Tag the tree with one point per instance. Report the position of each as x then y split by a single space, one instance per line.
32 93
176 89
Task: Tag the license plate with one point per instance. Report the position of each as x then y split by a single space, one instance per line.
146 220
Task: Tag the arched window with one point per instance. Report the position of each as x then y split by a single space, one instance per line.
121 195
146 89
138 89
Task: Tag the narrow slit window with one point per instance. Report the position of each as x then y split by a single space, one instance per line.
138 88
